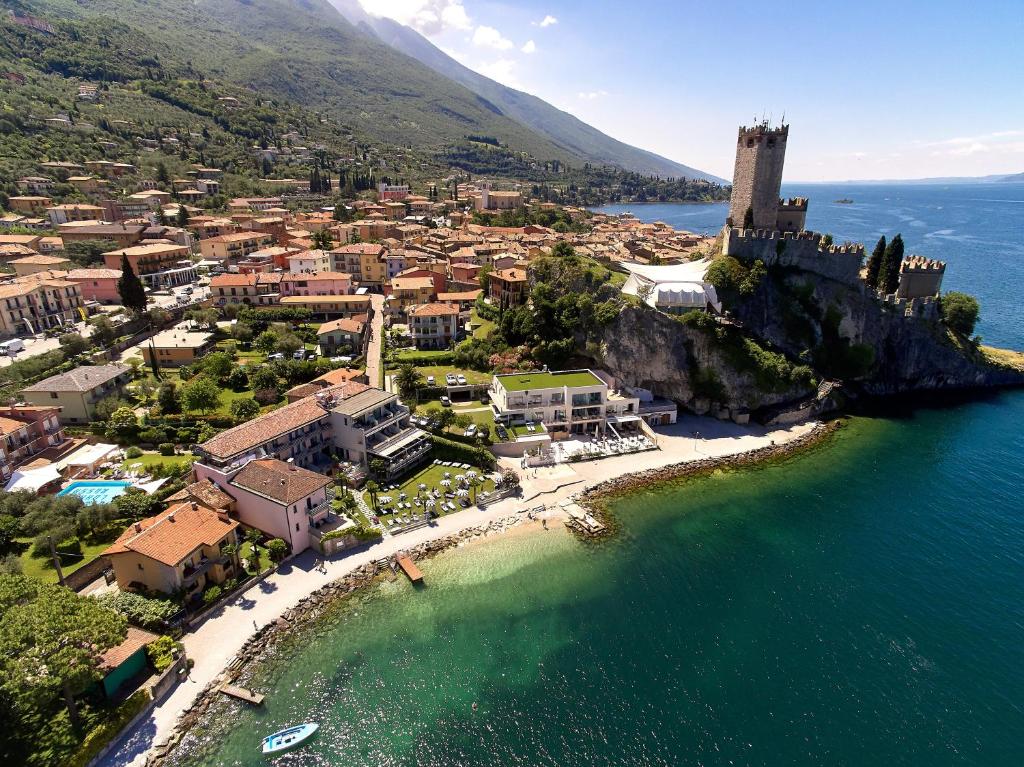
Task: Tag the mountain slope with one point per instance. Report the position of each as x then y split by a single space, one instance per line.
560 127
304 51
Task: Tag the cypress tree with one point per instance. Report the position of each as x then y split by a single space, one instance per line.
130 288
889 276
875 263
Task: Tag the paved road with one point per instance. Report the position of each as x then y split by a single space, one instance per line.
373 350
36 345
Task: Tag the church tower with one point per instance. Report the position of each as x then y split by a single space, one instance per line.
757 177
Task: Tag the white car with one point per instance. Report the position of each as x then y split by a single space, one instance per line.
430 381
470 430
451 380
461 379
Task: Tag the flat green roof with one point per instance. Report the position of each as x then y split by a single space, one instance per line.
524 381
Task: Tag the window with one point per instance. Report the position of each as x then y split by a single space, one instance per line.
296 527
53 395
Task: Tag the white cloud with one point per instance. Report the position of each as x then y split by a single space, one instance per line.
591 95
529 47
429 17
966 146
489 37
502 70
547 21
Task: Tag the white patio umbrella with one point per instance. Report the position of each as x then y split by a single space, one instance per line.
403 495
384 498
459 477
431 504
422 486
462 493
471 474
446 483
447 474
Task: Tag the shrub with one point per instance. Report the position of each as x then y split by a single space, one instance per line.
146 612
161 652
132 452
960 312
100 737
211 595
276 549
166 448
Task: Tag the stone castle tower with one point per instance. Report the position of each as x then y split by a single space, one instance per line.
757 179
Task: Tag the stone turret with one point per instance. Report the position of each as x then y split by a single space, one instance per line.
920 277
757 176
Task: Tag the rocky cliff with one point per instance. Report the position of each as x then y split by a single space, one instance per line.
690 365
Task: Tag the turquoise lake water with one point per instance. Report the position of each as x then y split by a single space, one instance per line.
862 604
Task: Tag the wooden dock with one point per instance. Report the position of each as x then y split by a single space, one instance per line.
255 698
410 569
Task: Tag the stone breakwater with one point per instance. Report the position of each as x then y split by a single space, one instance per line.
594 498
264 642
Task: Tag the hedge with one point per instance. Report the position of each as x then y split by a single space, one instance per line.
98 738
452 450
427 360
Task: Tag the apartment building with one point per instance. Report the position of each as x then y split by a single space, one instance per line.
251 288
177 347
158 264
365 261
566 402
77 391
38 302
434 325
180 550
25 432
63 214
228 248
508 287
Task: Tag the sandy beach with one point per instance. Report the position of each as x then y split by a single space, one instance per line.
213 644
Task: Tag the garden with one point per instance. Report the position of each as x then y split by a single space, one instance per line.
440 488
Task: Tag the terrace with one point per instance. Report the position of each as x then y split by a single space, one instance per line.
436 490
515 382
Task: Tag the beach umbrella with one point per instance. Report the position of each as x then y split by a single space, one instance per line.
447 474
460 477
471 474
402 495
431 504
422 486
462 493
384 499
446 482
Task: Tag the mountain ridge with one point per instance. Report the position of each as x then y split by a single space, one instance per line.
559 126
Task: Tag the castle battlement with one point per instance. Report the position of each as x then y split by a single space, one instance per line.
921 264
793 203
926 307
802 250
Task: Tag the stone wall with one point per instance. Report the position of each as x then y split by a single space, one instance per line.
757 175
800 250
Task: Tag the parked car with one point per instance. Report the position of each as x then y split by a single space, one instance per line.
445 402
451 380
430 380
12 347
470 430
501 431
275 356
461 379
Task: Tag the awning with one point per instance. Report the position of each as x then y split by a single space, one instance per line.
152 487
33 479
87 455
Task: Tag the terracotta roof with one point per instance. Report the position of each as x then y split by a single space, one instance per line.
344 325
315 276
10 425
433 310
134 641
174 534
40 260
412 283
94 274
465 295
279 481
360 247
259 431
81 379
205 492
510 275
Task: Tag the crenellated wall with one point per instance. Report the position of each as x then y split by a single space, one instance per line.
802 250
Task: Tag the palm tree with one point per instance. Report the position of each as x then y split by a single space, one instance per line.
373 488
230 550
408 380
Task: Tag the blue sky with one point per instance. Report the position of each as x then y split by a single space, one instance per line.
871 89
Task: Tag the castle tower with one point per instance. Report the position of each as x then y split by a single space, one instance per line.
757 177
920 277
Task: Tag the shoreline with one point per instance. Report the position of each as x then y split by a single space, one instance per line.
223 646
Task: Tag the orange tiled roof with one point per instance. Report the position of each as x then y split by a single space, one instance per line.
433 310
279 481
174 534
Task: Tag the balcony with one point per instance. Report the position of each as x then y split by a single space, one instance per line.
192 572
318 511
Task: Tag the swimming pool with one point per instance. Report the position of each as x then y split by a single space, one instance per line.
99 491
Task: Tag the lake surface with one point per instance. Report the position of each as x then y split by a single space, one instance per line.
862 604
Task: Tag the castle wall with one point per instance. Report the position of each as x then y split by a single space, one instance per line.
801 250
920 277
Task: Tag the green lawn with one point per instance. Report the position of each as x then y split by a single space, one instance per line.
227 396
525 381
481 328
481 414
430 476
405 354
151 460
43 569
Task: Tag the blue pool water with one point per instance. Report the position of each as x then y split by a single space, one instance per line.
99 491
